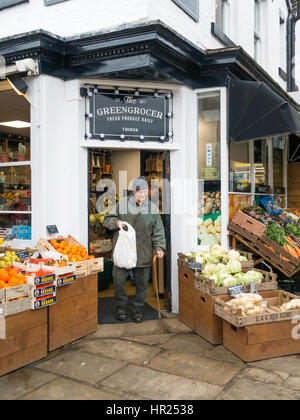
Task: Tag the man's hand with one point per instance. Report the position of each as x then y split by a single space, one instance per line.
120 224
160 254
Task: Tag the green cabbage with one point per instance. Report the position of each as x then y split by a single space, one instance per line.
233 255
253 276
234 267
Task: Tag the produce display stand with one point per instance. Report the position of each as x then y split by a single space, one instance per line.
261 337
75 314
207 285
25 339
52 308
251 233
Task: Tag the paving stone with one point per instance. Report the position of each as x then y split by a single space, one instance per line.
264 376
14 385
128 351
290 365
293 382
195 367
129 329
249 389
187 343
175 325
85 367
224 355
155 385
151 340
65 389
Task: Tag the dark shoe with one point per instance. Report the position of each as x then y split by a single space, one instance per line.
121 313
137 316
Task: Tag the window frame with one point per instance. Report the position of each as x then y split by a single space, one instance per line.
5 4
184 7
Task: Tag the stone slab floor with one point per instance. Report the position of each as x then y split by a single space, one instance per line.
156 360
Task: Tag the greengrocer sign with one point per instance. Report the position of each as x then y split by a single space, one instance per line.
128 116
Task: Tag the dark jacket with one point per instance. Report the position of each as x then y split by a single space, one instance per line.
146 220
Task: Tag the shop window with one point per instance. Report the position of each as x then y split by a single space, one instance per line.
191 7
209 164
4 4
15 166
261 167
240 168
278 165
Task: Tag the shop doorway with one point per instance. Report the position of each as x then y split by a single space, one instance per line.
108 165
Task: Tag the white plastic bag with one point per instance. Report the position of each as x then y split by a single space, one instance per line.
125 255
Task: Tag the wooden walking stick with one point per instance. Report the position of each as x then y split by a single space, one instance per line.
154 268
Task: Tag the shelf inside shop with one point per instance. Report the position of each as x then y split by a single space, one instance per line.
8 164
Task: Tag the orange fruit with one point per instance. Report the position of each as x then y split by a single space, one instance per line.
13 282
2 284
13 273
4 276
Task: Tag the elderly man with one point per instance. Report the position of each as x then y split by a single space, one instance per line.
144 217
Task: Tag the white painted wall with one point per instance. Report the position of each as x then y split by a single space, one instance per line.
59 164
80 16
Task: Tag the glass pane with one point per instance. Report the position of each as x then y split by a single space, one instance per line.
14 149
209 213
16 224
209 136
240 169
238 202
15 188
261 166
209 164
278 164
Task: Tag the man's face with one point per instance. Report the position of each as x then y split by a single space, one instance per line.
140 196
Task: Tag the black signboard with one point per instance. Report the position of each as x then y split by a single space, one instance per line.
236 290
52 229
195 266
23 255
122 115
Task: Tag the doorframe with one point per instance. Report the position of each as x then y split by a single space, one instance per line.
167 175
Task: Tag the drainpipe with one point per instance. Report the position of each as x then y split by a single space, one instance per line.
291 45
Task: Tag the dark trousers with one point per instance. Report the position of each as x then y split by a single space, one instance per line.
142 277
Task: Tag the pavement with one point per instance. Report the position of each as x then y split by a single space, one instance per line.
155 360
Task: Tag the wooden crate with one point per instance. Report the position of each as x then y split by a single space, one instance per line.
207 324
275 260
95 266
25 340
184 260
272 313
186 296
243 232
260 342
75 314
248 223
207 285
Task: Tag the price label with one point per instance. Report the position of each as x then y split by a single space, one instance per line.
195 266
10 237
23 255
52 229
253 288
236 290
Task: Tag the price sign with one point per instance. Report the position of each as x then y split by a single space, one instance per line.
236 290
253 288
195 266
10 237
52 229
23 255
